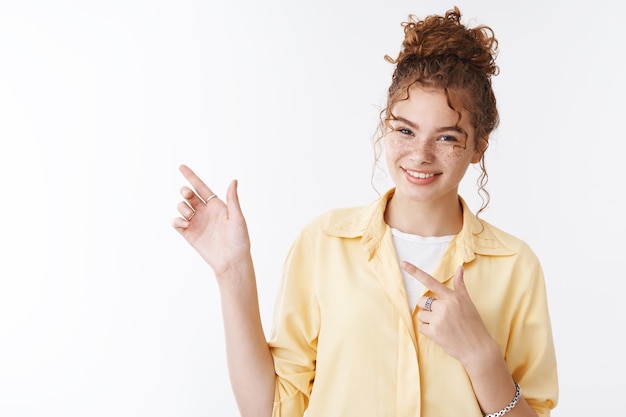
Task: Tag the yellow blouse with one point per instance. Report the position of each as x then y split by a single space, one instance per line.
345 344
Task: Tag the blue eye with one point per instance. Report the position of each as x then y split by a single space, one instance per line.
405 131
448 138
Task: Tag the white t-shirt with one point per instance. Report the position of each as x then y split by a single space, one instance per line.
423 252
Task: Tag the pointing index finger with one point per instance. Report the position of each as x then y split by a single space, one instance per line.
427 281
199 186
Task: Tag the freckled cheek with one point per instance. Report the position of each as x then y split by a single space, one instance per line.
396 148
455 156
449 158
456 162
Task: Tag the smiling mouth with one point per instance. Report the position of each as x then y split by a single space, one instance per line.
421 175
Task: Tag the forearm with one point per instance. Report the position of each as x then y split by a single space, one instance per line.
493 385
250 363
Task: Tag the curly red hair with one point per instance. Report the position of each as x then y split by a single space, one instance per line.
443 53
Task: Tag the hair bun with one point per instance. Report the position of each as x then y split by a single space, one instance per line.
436 37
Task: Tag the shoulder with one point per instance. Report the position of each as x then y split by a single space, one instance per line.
351 222
487 239
321 237
507 239
343 221
509 252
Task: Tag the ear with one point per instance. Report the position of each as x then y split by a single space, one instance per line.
483 144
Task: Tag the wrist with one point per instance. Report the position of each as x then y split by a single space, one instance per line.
486 357
511 405
236 273
232 262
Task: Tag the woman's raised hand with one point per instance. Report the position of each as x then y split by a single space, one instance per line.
216 229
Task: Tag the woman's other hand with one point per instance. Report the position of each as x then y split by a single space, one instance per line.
215 229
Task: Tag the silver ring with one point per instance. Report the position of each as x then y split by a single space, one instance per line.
193 213
428 303
209 198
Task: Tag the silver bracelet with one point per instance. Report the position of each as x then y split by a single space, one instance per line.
512 404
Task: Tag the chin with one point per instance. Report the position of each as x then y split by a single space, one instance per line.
410 193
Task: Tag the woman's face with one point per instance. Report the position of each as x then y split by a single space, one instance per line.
428 150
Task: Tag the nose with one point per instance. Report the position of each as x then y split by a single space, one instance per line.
422 151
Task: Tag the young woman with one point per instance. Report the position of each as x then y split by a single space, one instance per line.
408 306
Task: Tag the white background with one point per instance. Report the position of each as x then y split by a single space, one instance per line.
106 311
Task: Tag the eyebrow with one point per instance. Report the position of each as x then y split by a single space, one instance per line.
416 127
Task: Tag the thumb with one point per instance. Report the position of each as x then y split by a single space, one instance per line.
459 281
232 200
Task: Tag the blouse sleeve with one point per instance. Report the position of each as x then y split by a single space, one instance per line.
295 329
530 352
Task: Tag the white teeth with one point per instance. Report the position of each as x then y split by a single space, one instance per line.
420 174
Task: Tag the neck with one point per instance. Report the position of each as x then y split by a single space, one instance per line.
425 218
